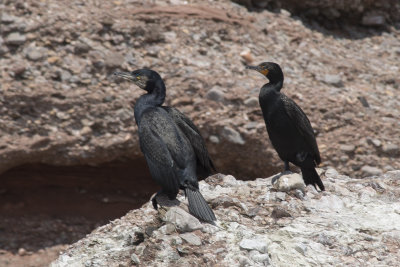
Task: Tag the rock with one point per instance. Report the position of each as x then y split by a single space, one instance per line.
279 212
215 94
232 136
35 54
374 142
332 79
135 259
390 149
373 20
351 212
370 171
288 182
191 238
214 139
251 102
7 18
347 148
114 60
183 221
260 245
15 38
246 55
258 257
21 251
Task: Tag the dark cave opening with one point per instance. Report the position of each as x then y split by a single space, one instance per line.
43 206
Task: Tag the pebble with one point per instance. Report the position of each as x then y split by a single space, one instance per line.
373 20
251 102
22 251
191 238
370 170
390 149
215 94
35 54
260 245
347 148
333 79
288 182
232 135
7 18
183 221
114 60
214 139
15 38
135 259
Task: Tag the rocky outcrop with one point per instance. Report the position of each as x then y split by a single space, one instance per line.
60 104
354 223
364 12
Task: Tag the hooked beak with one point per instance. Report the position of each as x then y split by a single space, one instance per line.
257 68
125 75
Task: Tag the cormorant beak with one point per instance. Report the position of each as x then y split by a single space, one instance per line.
125 75
259 69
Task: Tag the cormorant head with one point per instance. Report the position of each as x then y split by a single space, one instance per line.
146 79
270 70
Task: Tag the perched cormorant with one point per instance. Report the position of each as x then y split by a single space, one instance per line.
170 143
288 127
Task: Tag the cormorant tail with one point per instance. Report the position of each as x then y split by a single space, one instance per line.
198 206
310 176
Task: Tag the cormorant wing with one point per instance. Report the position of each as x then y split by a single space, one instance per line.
303 125
194 136
160 143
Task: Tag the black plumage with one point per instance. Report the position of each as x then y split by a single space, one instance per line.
170 143
288 127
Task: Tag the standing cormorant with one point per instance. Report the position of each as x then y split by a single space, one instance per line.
288 127
171 150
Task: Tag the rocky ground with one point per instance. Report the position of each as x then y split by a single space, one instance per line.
353 223
60 104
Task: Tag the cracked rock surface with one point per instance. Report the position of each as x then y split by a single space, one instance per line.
353 223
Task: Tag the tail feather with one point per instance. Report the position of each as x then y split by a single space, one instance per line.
310 176
198 206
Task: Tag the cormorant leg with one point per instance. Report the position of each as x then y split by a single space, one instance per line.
154 200
287 168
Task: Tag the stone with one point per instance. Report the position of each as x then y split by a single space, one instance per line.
215 94
232 135
15 38
183 221
247 56
114 60
390 149
251 102
374 142
135 259
191 238
22 251
347 148
333 79
373 20
370 170
260 245
214 139
35 54
288 182
7 18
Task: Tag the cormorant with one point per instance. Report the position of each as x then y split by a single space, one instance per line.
170 143
288 127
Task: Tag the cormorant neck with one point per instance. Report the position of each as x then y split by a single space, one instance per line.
276 85
276 80
154 98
